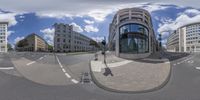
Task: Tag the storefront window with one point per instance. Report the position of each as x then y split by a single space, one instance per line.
134 39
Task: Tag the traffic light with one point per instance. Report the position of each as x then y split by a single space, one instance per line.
103 42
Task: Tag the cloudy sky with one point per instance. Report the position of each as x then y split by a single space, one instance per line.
90 17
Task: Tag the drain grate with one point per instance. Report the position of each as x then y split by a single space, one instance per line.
85 78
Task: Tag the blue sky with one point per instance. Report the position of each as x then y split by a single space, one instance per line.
91 21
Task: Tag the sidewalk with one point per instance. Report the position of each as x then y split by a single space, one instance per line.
122 75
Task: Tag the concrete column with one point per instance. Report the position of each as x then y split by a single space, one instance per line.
117 43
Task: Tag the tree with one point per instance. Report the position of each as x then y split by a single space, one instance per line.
50 47
9 47
94 43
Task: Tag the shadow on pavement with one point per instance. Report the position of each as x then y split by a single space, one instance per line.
107 69
162 57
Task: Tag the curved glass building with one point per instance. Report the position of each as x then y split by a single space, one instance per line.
131 34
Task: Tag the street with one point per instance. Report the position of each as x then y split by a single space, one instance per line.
47 76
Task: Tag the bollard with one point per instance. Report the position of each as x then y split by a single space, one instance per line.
96 57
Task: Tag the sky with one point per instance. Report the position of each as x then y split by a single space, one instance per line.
90 17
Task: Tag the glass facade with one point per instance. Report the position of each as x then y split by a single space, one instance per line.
134 38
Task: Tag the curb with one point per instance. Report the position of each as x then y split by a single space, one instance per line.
130 92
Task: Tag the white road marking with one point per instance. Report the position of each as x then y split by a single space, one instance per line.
6 68
75 81
67 75
167 62
30 63
41 58
178 63
198 68
174 64
63 68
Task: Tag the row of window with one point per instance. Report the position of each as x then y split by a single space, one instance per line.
76 37
69 41
193 31
134 28
75 47
2 41
2 37
190 35
191 38
191 42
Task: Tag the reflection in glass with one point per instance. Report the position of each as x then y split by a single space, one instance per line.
134 39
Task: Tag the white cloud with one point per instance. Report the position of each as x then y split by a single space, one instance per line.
48 35
10 32
167 24
88 21
154 7
192 11
8 17
91 28
99 15
22 16
178 22
99 12
98 39
58 15
76 27
97 9
18 39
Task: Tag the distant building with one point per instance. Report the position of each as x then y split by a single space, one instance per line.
131 34
3 36
185 39
67 40
32 42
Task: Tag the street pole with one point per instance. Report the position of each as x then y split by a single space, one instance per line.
160 40
104 51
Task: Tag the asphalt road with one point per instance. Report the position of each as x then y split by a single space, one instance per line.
40 76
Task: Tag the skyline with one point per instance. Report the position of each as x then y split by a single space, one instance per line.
95 24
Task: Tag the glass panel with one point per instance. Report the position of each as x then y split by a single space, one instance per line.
134 39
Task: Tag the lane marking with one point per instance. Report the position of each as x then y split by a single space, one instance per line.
75 81
198 68
6 68
63 70
174 64
30 63
167 62
67 75
41 58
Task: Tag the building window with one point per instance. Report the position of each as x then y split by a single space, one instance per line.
134 39
58 39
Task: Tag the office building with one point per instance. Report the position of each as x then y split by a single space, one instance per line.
68 40
131 34
32 42
3 36
185 39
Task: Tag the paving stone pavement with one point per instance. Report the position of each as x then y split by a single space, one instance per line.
122 75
